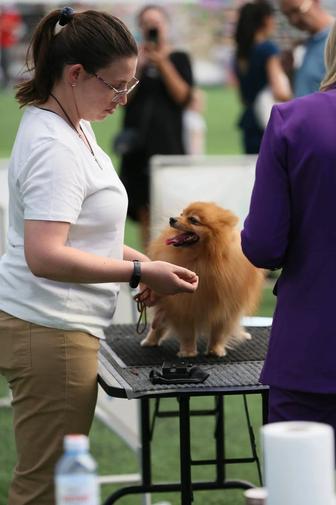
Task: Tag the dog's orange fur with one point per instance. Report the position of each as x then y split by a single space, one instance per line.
229 285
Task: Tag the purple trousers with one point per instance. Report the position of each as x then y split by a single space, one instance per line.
286 405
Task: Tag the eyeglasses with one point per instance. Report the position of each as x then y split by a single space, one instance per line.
119 93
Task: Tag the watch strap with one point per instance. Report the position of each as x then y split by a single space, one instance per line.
136 275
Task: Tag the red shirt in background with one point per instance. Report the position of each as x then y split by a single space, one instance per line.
10 21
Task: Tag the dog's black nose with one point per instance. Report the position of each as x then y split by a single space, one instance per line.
172 221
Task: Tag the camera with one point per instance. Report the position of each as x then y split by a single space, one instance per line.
152 35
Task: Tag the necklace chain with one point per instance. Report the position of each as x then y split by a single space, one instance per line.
74 128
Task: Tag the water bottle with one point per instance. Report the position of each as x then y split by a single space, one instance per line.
75 475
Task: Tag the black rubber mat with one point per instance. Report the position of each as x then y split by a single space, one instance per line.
131 365
124 344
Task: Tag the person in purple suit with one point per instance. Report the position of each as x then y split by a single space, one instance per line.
291 225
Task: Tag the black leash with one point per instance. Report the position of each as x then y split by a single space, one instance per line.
141 308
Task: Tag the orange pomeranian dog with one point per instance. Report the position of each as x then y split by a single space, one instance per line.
204 238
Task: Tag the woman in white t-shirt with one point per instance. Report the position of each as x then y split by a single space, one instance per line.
59 279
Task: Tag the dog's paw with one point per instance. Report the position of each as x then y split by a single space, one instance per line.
187 354
241 335
147 342
217 351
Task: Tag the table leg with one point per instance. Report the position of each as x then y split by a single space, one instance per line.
220 440
145 443
185 450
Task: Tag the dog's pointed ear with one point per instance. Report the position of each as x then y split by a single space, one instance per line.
229 219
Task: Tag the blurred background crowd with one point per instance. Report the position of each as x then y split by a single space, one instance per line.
204 27
230 60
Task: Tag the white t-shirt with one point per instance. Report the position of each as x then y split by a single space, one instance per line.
54 177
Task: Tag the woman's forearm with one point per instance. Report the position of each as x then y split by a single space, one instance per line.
67 264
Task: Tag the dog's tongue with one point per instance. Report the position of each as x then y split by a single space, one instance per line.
178 239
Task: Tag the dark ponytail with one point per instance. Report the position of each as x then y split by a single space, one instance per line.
91 38
251 18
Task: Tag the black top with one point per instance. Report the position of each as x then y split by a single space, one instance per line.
157 119
251 82
255 78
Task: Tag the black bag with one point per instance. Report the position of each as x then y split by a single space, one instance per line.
126 141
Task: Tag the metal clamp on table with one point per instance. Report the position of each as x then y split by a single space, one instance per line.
125 369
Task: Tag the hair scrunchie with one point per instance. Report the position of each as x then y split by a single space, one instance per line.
66 15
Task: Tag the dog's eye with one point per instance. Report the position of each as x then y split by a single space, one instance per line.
193 220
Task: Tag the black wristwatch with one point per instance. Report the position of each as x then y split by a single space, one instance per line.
136 275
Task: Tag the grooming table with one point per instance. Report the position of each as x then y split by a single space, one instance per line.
124 368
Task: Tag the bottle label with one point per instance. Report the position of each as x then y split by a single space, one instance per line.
77 490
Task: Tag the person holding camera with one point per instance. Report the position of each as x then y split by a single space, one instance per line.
153 117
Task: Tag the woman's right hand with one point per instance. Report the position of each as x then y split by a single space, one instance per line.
168 279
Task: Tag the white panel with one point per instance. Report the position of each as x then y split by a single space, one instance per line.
177 181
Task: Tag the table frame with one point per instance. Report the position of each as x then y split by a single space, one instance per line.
184 413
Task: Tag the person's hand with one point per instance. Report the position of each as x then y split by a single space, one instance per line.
168 279
147 296
156 53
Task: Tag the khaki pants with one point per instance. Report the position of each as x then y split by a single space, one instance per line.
53 377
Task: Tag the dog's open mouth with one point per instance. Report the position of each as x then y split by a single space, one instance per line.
183 239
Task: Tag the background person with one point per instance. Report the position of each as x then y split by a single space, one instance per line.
59 279
257 65
10 28
291 225
154 110
308 57
194 124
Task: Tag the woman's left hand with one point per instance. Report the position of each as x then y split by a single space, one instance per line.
147 296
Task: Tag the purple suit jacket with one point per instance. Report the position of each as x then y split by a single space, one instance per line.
292 225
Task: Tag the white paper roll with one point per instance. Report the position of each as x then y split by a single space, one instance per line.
256 496
299 463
